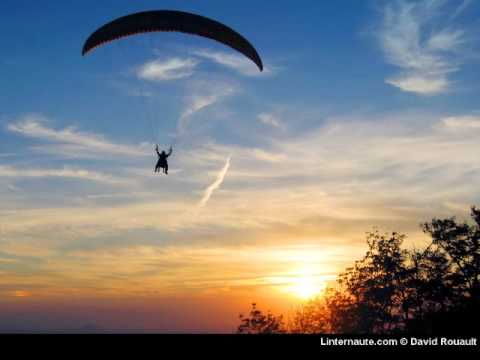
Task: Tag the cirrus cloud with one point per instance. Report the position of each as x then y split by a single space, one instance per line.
65 172
418 38
271 120
170 69
461 123
70 141
234 61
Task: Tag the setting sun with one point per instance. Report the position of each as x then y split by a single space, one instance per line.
307 284
306 288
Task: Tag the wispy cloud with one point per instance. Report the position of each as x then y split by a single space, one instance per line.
461 8
271 120
215 185
169 69
199 101
461 123
307 188
71 140
65 172
195 104
234 61
417 37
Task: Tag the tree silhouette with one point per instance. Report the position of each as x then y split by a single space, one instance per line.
311 318
259 323
435 290
371 293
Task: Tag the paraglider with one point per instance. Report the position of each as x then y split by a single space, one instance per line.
171 21
162 162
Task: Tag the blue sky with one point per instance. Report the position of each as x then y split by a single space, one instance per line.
330 50
366 115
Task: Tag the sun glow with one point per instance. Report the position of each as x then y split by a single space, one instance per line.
306 288
306 284
21 294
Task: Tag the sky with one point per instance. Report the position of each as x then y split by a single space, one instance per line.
366 116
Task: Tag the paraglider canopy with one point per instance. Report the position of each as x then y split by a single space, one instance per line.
169 20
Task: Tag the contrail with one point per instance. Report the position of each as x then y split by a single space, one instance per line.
215 185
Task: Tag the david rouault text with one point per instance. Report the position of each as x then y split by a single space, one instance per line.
414 341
